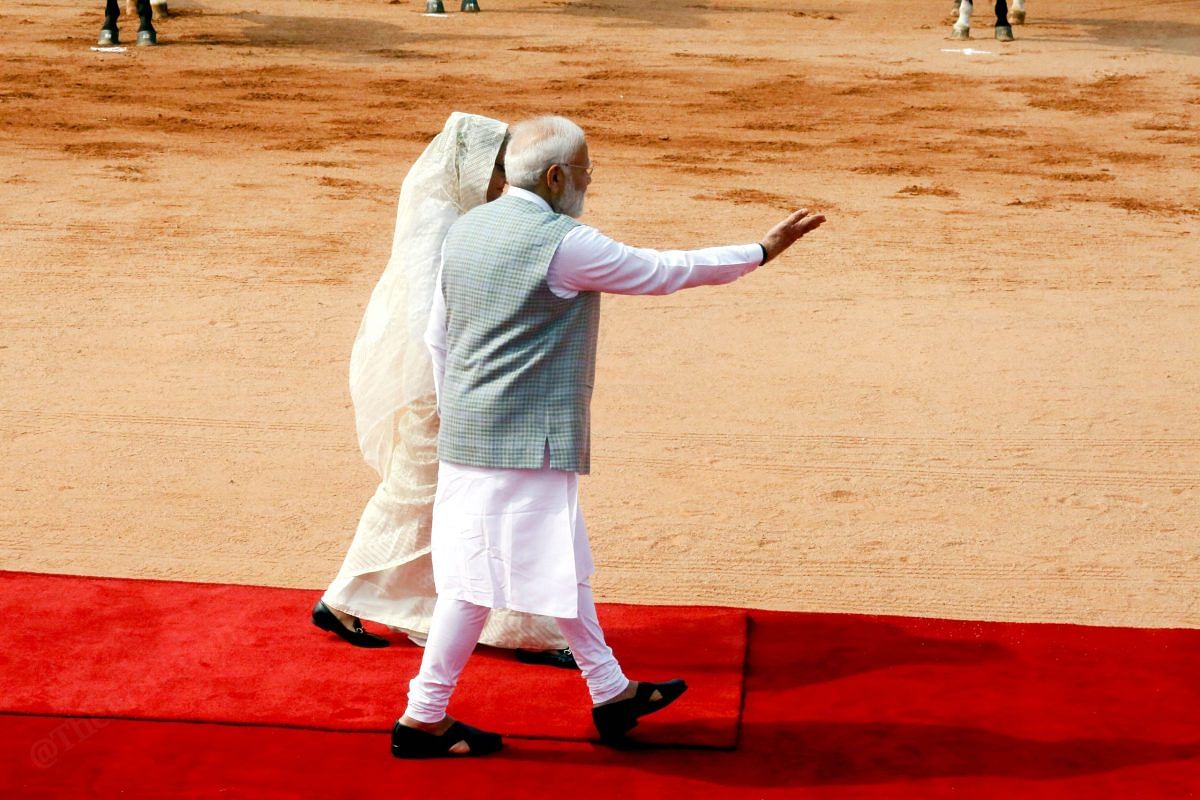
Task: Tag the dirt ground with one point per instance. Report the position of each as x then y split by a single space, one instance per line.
973 393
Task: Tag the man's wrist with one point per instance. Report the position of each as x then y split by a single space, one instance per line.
765 257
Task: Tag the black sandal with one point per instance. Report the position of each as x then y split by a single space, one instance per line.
414 743
615 720
325 619
564 658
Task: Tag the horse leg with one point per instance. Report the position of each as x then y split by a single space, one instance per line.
1018 12
146 33
962 28
1003 29
108 34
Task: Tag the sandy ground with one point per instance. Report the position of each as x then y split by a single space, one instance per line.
972 394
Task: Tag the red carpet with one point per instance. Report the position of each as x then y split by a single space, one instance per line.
247 654
836 706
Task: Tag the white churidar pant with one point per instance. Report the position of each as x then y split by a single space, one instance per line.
455 629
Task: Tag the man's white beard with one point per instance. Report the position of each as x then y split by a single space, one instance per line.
570 202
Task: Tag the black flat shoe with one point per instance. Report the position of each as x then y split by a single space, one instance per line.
324 619
551 658
412 743
615 720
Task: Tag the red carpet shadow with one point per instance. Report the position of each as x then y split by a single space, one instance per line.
824 754
804 649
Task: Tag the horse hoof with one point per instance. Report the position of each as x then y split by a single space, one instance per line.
960 33
108 38
1017 17
434 7
147 38
469 5
1004 33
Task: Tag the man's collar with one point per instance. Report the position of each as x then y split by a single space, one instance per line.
525 194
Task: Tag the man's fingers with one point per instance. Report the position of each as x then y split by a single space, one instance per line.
803 226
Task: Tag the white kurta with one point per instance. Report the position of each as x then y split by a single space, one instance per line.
515 538
510 538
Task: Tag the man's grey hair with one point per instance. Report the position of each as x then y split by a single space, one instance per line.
537 144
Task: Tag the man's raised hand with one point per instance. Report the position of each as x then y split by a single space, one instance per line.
785 234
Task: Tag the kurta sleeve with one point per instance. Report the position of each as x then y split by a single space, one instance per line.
435 336
589 261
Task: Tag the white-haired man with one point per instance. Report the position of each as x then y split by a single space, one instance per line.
513 338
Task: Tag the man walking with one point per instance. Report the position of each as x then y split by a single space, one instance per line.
513 334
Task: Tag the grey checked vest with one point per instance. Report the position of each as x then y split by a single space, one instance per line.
520 361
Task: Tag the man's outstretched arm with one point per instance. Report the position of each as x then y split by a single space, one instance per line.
589 261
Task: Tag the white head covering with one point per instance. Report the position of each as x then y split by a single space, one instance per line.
389 365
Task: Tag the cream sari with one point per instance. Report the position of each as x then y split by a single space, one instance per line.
387 575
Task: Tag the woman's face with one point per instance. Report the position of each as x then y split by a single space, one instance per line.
496 185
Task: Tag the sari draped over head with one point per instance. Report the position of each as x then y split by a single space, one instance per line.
389 365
